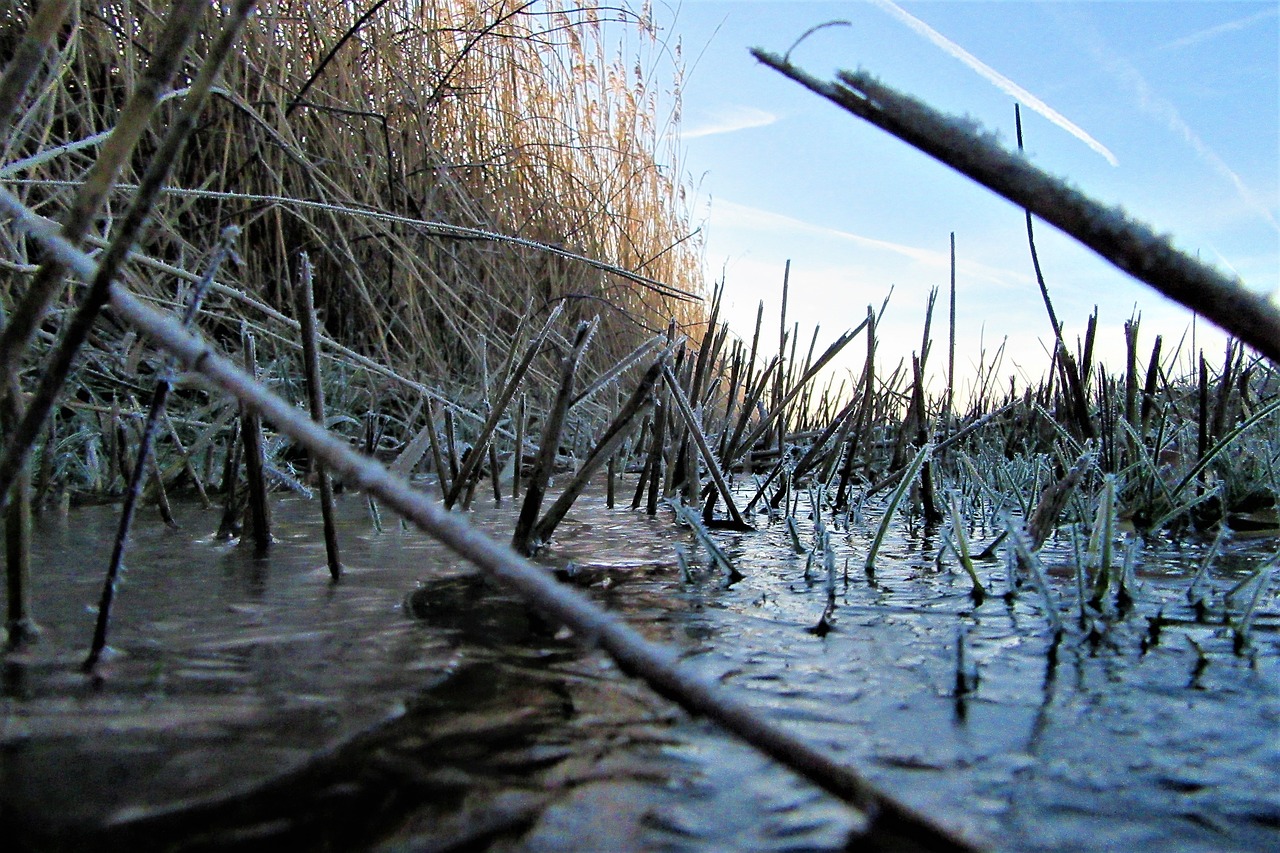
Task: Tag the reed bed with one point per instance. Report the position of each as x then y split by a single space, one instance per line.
445 165
475 200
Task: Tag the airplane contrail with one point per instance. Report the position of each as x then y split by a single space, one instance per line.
994 77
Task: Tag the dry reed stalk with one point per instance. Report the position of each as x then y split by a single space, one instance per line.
472 464
604 451
315 403
1130 246
523 540
254 462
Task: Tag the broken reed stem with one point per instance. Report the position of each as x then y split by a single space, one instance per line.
605 450
437 458
858 438
523 539
610 496
230 523
518 465
932 515
713 465
21 625
254 463
315 402
499 408
1129 245
656 455
780 378
451 445
949 400
494 474
138 474
162 496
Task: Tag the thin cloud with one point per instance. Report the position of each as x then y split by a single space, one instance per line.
1153 104
994 77
729 215
1220 29
730 120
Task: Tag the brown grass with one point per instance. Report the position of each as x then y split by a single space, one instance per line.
492 116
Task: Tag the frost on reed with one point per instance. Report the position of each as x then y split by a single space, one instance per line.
499 117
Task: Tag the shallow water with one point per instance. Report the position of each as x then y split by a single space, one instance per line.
413 707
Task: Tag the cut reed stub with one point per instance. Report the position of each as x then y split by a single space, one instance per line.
315 403
523 540
259 510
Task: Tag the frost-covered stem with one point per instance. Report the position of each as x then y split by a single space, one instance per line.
499 408
912 469
713 465
604 451
1031 561
522 540
618 369
1129 245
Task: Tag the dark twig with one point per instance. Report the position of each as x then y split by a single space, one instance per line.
315 403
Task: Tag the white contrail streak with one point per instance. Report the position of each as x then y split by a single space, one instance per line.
993 76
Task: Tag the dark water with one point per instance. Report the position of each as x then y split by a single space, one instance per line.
412 707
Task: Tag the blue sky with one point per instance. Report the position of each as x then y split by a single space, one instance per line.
1170 109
